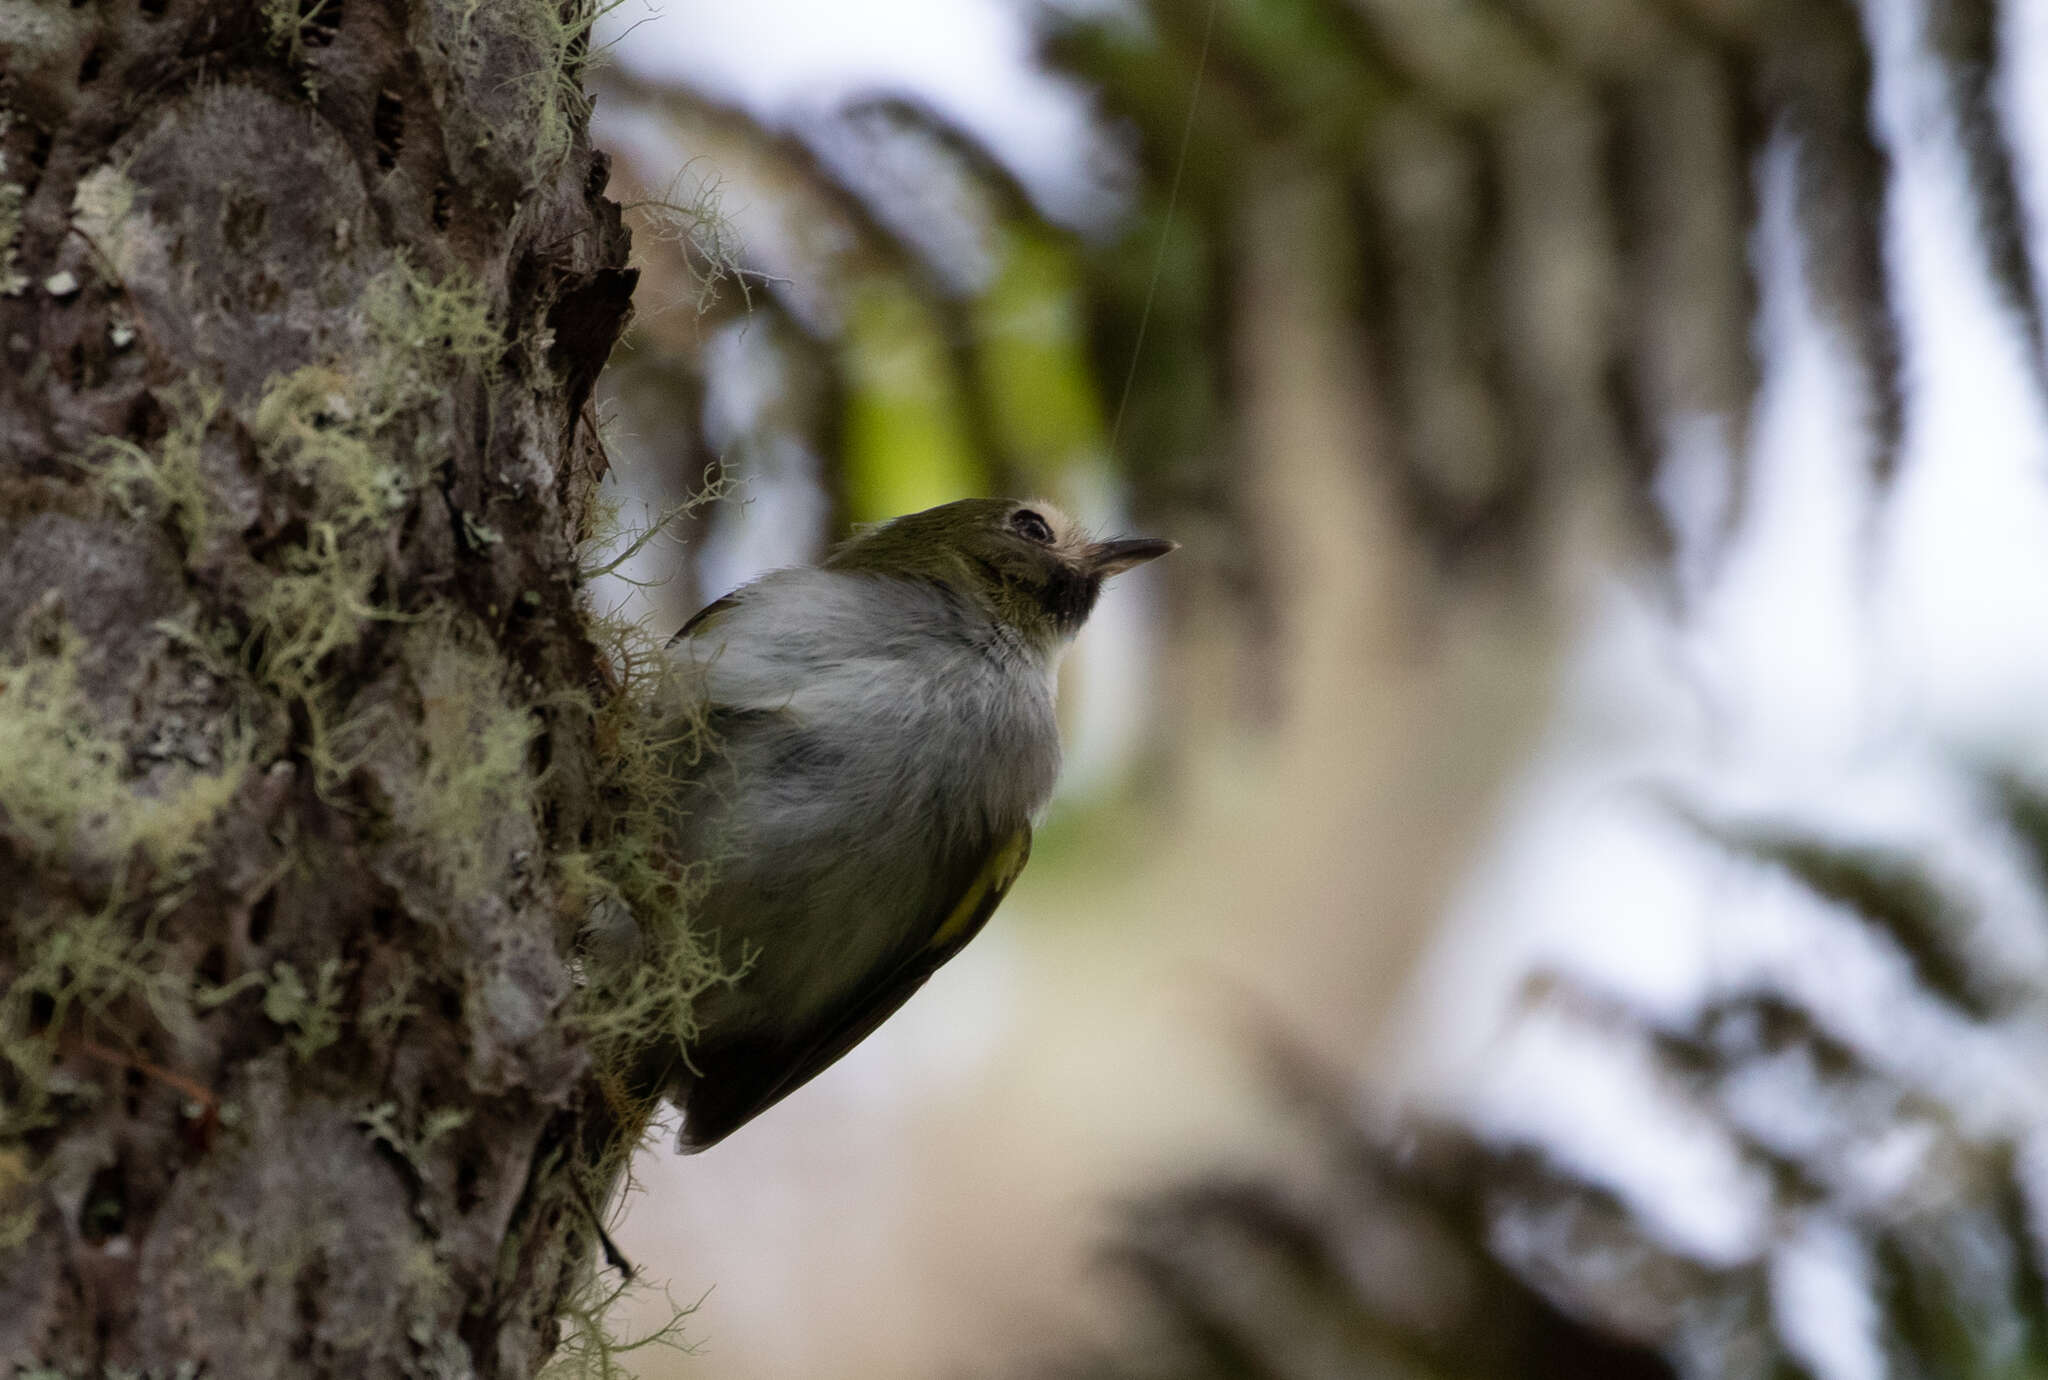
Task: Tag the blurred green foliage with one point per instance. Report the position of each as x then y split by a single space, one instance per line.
907 443
1032 358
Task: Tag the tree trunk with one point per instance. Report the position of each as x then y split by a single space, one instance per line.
301 802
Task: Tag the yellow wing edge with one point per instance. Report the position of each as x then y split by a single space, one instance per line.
986 890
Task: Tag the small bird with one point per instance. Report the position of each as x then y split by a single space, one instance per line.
882 737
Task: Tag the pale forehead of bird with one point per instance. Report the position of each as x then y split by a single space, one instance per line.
1068 536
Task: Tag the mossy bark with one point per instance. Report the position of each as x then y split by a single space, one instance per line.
300 306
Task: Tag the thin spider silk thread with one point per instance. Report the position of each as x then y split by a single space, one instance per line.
1180 163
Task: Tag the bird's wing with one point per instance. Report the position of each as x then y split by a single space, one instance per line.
738 1080
708 612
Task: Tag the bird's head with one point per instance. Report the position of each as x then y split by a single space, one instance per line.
1030 565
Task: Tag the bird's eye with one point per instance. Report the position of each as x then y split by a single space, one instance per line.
1031 526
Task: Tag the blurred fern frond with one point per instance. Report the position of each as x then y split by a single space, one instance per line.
1398 1244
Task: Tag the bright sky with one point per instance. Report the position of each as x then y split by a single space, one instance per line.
782 59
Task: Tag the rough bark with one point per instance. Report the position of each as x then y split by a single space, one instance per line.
298 705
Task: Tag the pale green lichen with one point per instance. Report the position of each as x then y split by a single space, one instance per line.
289 22
70 789
547 47
320 425
650 736
319 595
424 329
20 1207
338 433
311 1012
356 439
589 1350
381 1123
466 797
316 605
690 215
232 1264
68 786
73 966
12 196
102 202
169 483
382 1015
102 210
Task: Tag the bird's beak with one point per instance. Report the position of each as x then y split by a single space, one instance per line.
1107 558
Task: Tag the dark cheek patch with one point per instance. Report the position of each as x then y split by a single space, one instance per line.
1070 598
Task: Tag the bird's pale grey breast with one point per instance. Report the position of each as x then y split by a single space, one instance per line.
872 737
